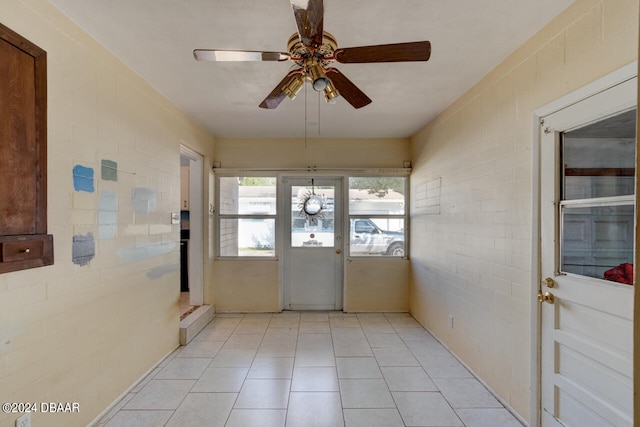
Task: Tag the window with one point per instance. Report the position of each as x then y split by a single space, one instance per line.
247 216
597 206
377 216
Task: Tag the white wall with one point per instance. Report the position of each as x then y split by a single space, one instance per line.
85 329
471 201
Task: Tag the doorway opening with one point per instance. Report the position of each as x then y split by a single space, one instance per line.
191 231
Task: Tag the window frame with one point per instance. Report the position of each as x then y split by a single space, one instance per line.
278 216
219 217
351 216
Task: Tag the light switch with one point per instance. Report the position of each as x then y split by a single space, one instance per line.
175 217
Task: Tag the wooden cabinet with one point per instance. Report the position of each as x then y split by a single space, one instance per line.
24 242
184 188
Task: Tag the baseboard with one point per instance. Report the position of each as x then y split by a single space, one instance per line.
195 322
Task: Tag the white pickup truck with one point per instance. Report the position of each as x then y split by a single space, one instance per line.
368 239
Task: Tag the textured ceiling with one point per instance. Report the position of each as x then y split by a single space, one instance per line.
156 39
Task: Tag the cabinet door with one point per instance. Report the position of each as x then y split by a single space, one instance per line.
24 242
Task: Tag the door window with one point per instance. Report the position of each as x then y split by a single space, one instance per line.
597 204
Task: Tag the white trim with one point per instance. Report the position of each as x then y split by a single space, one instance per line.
612 79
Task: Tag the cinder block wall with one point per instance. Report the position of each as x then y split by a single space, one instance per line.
86 328
471 211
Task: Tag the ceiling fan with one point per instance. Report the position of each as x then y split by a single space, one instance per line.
312 50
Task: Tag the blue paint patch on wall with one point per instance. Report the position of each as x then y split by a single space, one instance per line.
108 215
146 251
83 249
144 200
83 179
161 270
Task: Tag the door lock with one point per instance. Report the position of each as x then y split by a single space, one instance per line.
546 297
548 282
338 251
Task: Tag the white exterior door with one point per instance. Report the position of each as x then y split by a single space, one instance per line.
313 244
587 249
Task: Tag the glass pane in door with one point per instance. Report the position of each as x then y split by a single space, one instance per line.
312 219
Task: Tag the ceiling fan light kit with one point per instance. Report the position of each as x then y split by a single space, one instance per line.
312 50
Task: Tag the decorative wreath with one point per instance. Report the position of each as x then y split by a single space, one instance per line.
311 206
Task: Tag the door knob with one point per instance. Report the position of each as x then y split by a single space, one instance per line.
546 297
548 282
338 251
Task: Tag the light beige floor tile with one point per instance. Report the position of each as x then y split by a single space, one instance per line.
220 380
365 393
426 348
263 394
444 367
203 409
315 379
277 348
314 328
315 342
241 341
311 369
225 321
284 321
257 417
407 378
372 418
271 367
384 340
358 367
425 409
344 322
395 357
378 328
314 316
402 320
213 334
257 317
184 368
200 349
139 419
466 393
251 327
315 409
241 358
310 357
350 342
488 418
161 394
415 333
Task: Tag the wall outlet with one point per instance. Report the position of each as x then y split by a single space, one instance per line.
24 420
451 320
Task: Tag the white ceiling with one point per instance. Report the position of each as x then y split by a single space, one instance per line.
156 39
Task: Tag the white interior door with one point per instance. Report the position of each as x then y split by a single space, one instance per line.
587 217
313 244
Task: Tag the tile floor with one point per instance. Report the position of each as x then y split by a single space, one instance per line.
310 369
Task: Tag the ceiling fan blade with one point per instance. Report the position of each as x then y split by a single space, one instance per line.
396 52
347 89
277 94
238 55
309 16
